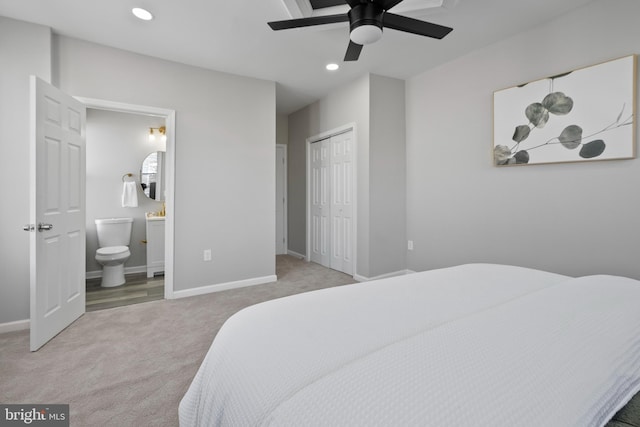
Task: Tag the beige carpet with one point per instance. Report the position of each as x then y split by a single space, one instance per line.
130 366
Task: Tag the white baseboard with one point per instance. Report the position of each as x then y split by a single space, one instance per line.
18 325
295 254
127 270
360 278
224 286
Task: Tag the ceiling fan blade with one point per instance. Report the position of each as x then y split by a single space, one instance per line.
388 4
414 26
308 22
353 51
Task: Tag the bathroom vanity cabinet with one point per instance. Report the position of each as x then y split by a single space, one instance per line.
155 245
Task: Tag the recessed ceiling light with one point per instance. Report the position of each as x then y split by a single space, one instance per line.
143 14
332 67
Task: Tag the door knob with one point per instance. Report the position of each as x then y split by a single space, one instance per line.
44 227
29 227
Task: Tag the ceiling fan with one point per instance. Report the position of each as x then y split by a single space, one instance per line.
366 19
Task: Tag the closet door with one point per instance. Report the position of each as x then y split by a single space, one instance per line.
320 206
342 202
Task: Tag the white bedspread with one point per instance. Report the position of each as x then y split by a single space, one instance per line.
475 345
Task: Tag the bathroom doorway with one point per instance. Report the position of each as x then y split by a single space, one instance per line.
119 147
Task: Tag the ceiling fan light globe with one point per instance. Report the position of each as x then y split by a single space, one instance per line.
366 34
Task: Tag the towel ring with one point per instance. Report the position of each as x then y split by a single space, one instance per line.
126 175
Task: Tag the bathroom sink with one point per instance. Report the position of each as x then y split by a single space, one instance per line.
153 216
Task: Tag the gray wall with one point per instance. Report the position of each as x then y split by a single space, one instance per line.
225 170
117 143
376 105
387 186
348 105
574 219
25 49
282 129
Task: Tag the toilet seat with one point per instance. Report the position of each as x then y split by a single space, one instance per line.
113 252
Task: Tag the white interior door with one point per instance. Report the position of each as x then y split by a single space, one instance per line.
331 233
281 201
57 244
342 202
319 201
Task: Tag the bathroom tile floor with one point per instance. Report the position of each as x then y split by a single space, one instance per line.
138 288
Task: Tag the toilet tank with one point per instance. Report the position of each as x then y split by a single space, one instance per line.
114 231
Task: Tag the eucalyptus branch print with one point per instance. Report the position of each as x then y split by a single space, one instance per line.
570 138
605 97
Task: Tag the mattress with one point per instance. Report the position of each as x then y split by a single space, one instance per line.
473 345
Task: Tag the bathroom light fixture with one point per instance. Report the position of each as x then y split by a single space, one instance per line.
332 67
141 13
161 130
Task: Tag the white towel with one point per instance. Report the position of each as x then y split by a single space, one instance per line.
129 195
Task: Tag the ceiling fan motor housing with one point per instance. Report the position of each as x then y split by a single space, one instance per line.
365 22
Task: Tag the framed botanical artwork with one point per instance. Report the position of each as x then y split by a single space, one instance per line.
581 115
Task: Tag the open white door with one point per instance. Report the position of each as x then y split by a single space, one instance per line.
57 216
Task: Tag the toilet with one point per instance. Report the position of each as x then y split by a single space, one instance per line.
114 236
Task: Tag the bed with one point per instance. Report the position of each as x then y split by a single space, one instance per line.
472 345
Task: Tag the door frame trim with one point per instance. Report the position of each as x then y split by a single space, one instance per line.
286 204
354 179
170 121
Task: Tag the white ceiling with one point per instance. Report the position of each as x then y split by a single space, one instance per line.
233 36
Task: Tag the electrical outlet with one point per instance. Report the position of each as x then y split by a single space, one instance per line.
410 245
206 255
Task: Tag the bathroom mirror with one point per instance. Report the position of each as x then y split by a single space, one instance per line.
152 176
